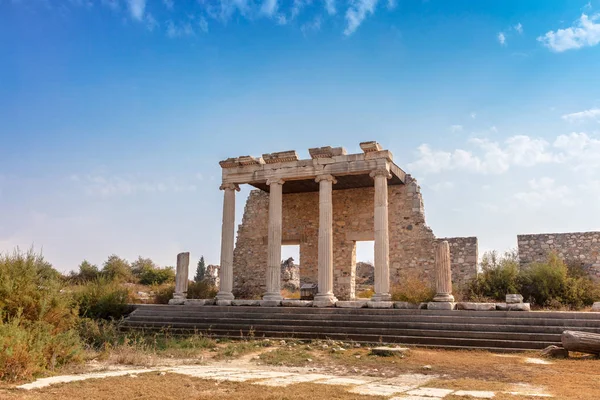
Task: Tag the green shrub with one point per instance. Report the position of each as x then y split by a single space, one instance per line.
162 294
98 334
201 290
413 289
499 276
117 269
157 276
102 299
87 272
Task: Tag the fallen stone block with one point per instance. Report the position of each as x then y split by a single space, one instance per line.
245 302
555 352
514 298
296 303
513 307
389 351
470 306
200 302
596 306
380 304
405 305
440 305
352 304
583 342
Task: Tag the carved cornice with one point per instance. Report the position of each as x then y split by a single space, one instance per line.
275 181
381 172
230 186
326 177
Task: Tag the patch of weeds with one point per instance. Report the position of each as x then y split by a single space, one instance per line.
288 357
236 349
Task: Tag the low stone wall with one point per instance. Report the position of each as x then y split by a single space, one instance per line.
574 247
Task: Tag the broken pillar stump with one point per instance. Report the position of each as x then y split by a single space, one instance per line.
583 342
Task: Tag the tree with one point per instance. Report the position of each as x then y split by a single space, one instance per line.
87 272
200 270
116 268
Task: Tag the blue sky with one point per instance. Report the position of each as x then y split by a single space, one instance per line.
115 113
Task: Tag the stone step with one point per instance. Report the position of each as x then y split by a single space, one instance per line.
532 337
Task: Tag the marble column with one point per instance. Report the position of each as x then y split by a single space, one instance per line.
382 245
274 244
325 260
227 239
443 273
181 278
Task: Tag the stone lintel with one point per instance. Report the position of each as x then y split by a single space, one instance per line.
281 156
371 146
379 154
326 152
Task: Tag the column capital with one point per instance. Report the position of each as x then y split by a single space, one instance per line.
275 181
230 186
381 172
326 177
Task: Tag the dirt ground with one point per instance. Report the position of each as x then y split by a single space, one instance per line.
575 378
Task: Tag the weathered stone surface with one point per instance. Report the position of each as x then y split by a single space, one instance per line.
443 274
380 304
582 248
405 305
181 277
555 352
296 303
323 303
238 302
290 275
596 306
583 342
514 298
200 302
441 305
211 276
270 303
476 306
223 302
177 302
352 304
513 307
389 351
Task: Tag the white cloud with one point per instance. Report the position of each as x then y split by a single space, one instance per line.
545 190
501 38
391 4
150 22
169 4
297 7
456 128
357 12
203 24
269 7
330 7
137 8
585 32
313 26
175 30
579 150
473 115
519 28
592 113
441 186
112 4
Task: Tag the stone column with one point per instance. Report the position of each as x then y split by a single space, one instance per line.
443 273
227 239
181 279
325 295
382 245
274 246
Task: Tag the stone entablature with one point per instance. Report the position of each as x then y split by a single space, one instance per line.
580 247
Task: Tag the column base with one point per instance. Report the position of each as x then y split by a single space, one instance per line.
444 297
274 296
224 296
381 297
324 300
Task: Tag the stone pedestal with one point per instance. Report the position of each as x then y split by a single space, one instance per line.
227 242
443 273
441 305
181 279
325 263
382 247
274 245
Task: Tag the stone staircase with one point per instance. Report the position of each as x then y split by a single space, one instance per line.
491 330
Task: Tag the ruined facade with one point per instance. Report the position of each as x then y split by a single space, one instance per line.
410 241
576 247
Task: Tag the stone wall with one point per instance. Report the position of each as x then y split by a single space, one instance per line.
411 240
579 247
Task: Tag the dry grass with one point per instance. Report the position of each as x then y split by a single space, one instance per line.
288 294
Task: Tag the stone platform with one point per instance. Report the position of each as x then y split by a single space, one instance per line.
491 330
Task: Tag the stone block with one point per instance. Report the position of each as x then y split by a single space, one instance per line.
513 307
224 302
177 302
389 351
245 302
405 305
476 306
352 304
200 302
380 304
514 298
596 306
296 303
269 303
440 305
555 352
323 303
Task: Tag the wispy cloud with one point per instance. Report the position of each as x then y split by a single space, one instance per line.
313 26
519 28
456 128
269 7
545 190
137 8
169 4
593 113
179 30
584 32
357 12
330 7
501 38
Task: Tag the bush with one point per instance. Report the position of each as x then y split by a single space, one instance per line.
117 269
201 290
102 299
499 276
413 289
87 272
163 294
98 334
157 276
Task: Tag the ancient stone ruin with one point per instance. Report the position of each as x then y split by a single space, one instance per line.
325 205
